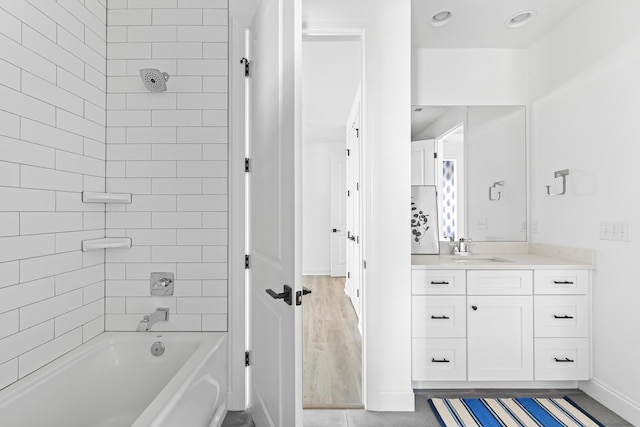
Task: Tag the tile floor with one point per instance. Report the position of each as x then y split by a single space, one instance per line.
424 417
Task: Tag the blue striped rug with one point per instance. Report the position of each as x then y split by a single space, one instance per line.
512 412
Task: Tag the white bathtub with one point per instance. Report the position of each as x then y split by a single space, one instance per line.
114 380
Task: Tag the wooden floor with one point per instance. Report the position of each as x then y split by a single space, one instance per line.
332 347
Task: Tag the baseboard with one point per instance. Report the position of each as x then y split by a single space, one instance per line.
394 402
316 272
613 400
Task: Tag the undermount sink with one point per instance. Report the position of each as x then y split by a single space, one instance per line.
476 259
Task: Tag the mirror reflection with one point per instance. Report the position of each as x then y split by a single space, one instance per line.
476 157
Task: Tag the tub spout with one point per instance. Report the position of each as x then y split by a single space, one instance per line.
161 314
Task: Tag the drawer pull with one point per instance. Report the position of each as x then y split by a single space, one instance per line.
565 360
439 283
562 282
555 316
443 360
440 317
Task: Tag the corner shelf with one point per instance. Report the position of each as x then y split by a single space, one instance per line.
93 197
106 243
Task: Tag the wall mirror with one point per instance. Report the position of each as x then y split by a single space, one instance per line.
476 156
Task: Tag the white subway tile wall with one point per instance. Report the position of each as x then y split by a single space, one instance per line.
52 147
170 151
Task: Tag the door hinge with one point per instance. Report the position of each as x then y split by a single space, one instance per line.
247 164
247 358
364 264
358 239
246 262
358 293
348 275
435 155
357 186
246 63
357 133
348 152
348 193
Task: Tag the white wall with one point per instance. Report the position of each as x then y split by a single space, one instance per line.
316 205
169 150
52 134
585 102
387 154
469 77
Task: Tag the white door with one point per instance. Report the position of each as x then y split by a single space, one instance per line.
274 215
338 216
423 162
354 239
500 338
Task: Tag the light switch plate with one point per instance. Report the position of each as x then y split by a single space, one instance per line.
615 230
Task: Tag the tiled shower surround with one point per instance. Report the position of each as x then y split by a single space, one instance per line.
75 116
170 150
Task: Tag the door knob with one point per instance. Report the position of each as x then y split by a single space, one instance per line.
287 295
299 294
474 307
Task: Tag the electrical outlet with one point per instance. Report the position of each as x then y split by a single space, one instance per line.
615 230
534 228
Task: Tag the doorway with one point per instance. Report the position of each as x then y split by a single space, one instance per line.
332 343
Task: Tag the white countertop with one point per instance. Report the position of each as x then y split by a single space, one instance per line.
495 261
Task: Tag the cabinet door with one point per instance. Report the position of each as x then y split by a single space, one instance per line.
500 338
439 316
438 282
561 282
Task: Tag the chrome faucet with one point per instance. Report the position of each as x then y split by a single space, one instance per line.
161 314
461 247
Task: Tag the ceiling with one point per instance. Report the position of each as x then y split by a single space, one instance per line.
481 23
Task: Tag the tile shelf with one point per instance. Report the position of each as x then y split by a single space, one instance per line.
93 197
106 243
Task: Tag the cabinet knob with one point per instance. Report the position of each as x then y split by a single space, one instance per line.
474 307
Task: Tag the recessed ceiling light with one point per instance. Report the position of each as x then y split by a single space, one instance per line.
520 19
441 18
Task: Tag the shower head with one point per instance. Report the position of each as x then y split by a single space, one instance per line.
154 80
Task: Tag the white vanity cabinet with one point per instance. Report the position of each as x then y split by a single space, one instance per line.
561 324
496 325
500 325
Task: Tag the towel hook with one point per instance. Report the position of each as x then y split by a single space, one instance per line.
563 173
500 183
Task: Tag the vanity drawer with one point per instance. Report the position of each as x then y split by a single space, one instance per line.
439 317
438 282
499 282
435 359
561 359
561 282
561 316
